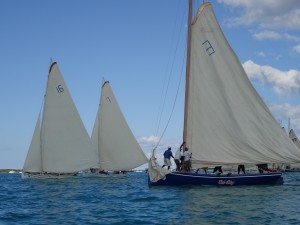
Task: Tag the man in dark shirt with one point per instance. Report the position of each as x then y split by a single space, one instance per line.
167 158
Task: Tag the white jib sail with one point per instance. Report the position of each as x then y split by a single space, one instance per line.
117 146
228 123
66 145
155 171
33 161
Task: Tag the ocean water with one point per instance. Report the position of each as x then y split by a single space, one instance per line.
129 200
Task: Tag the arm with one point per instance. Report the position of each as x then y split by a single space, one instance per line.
181 145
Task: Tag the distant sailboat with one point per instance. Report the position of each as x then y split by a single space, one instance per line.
60 145
225 120
113 141
295 139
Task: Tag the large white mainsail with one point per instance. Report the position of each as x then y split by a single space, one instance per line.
227 122
112 138
63 144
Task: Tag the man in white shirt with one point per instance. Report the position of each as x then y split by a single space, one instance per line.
186 167
177 157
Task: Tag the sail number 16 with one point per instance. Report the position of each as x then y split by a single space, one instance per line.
59 89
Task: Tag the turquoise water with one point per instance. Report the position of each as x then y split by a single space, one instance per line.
128 200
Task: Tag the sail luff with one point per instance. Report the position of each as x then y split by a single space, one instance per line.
95 139
33 159
42 140
187 81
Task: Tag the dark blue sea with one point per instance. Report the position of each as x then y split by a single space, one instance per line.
129 200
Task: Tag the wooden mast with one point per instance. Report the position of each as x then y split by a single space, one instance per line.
187 73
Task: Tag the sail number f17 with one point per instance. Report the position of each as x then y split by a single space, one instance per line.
209 48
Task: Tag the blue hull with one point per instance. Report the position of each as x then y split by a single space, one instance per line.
292 170
178 179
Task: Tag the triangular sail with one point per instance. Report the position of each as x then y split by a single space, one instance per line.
33 161
117 146
228 123
66 145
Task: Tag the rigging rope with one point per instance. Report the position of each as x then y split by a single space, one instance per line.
176 96
174 103
162 103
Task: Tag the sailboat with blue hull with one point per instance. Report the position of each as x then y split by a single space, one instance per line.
226 123
178 179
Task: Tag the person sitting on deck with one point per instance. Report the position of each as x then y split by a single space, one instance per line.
241 167
218 168
262 167
103 172
202 168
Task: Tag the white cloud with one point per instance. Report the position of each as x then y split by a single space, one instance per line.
267 35
297 48
148 140
285 111
282 81
261 54
267 13
272 35
151 141
291 37
254 71
278 57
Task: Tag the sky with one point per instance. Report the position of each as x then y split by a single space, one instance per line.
139 46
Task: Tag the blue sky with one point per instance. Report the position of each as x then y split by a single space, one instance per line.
139 46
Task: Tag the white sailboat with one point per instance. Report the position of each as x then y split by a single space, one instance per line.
113 141
60 145
225 120
293 167
294 138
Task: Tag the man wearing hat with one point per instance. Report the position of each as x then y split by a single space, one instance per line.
167 156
